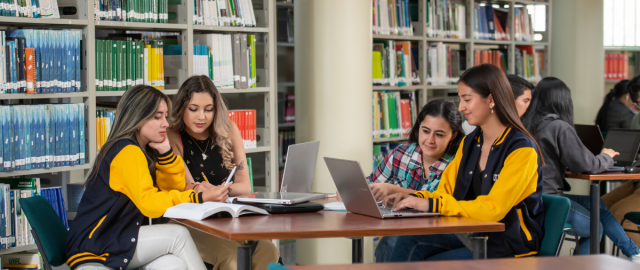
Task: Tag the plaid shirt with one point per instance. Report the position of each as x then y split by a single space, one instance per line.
403 168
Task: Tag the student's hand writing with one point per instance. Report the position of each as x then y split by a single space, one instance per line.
609 152
382 190
203 186
162 147
416 203
216 194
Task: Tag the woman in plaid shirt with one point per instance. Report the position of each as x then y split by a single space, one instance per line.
418 163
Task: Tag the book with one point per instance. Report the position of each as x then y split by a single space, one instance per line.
490 22
393 113
231 59
497 58
31 259
527 63
284 17
445 63
446 19
125 60
250 168
393 17
224 13
246 121
616 66
149 11
523 25
202 211
30 9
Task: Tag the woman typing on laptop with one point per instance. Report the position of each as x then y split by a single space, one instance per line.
496 176
550 120
211 146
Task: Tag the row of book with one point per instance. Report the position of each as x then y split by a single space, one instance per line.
149 11
15 230
40 61
523 24
30 8
490 22
446 19
395 63
393 113
286 108
497 58
125 61
381 151
42 136
445 64
224 12
529 63
284 17
104 121
228 59
616 66
285 139
22 261
246 121
392 17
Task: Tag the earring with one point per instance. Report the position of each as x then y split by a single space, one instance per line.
492 104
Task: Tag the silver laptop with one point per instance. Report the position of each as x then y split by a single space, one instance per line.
299 171
357 195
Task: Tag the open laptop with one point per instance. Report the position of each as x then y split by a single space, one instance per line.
357 195
626 142
591 137
299 171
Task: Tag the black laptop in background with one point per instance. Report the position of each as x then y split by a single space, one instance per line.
626 142
591 137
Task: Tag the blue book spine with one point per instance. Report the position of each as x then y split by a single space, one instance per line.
3 219
48 136
78 57
31 146
9 163
8 216
63 210
43 136
12 203
59 57
82 133
58 142
73 138
38 52
2 136
67 134
18 137
44 60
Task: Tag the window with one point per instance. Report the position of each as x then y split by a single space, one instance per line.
621 23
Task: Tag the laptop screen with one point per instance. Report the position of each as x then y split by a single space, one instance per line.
591 137
624 141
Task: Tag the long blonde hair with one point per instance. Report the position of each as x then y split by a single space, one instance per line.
138 104
220 126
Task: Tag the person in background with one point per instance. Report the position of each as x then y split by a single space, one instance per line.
211 145
616 110
418 163
521 92
550 120
496 175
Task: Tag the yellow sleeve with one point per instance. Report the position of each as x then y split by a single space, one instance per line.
448 178
170 172
517 180
130 176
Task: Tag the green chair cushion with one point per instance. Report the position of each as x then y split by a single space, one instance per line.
568 226
633 217
556 211
51 231
275 266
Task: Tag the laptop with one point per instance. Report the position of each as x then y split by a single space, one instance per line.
357 195
299 171
626 142
591 137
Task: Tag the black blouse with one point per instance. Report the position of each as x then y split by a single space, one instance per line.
211 166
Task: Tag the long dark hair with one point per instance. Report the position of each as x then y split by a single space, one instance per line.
487 79
552 96
619 90
449 112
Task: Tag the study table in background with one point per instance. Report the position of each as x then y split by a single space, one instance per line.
329 224
595 199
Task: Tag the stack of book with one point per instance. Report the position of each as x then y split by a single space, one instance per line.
497 58
42 136
490 22
230 61
393 113
285 25
446 19
522 23
381 151
392 17
529 63
125 61
15 230
104 121
444 64
22 261
40 61
395 63
246 121
224 12
285 138
616 66
149 11
30 9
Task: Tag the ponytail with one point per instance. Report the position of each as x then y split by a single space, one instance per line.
619 90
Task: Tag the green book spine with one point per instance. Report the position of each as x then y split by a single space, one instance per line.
114 65
393 117
123 64
140 54
100 51
130 64
98 63
253 60
249 167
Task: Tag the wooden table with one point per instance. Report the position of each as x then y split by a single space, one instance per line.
327 224
589 262
595 200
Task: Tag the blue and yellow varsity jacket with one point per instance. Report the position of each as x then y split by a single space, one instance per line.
116 202
511 192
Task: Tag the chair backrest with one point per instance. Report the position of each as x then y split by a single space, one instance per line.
275 266
556 211
50 230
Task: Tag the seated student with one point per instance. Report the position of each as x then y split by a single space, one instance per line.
495 176
521 92
616 109
211 145
550 119
108 229
433 140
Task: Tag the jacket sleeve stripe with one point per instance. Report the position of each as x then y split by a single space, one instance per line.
166 158
170 162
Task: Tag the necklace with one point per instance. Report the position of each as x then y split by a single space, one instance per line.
204 156
485 155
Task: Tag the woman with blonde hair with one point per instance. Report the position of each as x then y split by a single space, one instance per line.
211 145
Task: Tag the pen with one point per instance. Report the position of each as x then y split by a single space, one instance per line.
205 177
230 175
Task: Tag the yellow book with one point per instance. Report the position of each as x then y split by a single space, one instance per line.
98 132
149 66
161 68
377 65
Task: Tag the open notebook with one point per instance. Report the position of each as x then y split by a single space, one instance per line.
207 209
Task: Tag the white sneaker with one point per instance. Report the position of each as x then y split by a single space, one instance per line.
635 258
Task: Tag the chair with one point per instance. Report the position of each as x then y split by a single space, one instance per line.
48 230
275 266
556 211
633 217
569 228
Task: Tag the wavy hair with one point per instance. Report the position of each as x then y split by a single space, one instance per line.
220 126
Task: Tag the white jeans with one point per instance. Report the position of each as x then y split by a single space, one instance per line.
163 246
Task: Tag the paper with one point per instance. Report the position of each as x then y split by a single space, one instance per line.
335 206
